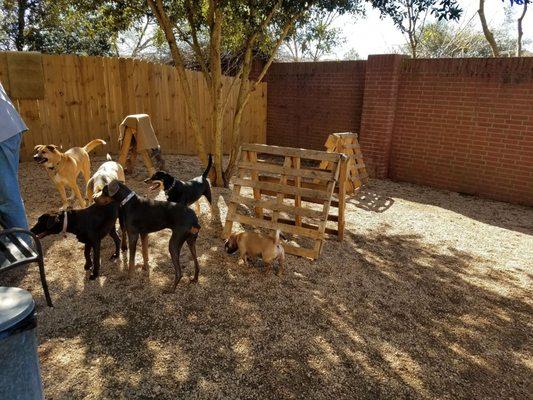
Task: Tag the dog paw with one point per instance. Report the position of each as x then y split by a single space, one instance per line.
193 280
92 277
123 248
113 257
87 267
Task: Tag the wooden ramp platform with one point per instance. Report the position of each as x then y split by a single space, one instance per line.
287 191
347 143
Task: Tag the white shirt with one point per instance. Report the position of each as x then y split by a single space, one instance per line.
10 121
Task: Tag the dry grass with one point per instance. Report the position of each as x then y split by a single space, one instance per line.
429 296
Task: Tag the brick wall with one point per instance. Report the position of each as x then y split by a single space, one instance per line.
467 126
459 124
308 101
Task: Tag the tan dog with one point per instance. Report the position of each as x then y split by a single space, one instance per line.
106 173
251 244
64 168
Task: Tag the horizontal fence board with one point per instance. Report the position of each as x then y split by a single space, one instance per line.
86 98
292 152
263 223
280 188
262 166
275 206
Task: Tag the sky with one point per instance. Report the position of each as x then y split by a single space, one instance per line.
372 35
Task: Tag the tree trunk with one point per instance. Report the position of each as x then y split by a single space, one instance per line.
520 31
246 88
244 91
216 93
486 31
21 24
158 10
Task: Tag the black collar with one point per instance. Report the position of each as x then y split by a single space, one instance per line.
167 191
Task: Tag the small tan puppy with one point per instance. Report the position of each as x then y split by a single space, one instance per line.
64 168
106 173
251 244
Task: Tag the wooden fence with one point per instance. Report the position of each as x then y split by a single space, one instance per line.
87 97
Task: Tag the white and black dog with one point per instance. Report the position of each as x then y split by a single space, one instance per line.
181 192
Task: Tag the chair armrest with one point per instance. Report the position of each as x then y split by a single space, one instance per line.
36 241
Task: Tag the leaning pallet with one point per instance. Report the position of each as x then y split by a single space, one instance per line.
347 143
293 196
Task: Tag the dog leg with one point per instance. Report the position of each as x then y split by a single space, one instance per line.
63 194
96 261
191 242
114 235
144 245
77 192
281 267
86 171
87 254
132 242
174 247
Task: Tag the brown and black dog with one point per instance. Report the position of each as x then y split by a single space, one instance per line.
141 216
64 168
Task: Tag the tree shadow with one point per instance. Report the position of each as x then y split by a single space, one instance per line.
379 315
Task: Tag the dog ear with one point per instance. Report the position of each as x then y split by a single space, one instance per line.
51 147
113 187
38 147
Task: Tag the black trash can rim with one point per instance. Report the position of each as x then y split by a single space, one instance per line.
15 306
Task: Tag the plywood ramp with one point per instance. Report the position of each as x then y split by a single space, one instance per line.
282 188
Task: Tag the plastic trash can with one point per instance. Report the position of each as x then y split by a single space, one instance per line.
20 377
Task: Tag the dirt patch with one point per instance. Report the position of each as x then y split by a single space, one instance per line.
429 296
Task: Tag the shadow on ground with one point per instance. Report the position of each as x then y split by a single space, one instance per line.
383 315
380 193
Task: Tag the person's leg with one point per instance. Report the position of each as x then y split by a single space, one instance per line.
11 205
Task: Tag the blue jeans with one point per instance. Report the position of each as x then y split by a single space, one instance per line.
11 205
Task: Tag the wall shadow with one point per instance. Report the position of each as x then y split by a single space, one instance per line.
513 217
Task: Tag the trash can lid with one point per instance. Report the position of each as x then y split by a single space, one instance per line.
15 305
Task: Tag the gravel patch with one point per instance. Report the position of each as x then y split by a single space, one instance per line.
429 297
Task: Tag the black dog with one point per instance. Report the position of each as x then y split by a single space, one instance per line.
181 192
90 225
143 216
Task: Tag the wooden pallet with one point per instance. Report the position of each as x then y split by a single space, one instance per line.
347 143
284 195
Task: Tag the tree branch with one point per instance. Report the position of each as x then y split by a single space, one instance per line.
486 31
520 30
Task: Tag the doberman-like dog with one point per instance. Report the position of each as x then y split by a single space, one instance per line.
143 216
185 193
90 225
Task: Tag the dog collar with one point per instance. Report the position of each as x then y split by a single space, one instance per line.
65 224
128 198
171 186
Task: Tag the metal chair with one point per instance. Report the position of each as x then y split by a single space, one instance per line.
15 252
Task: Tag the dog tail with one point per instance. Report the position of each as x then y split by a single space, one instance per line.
209 164
92 144
108 157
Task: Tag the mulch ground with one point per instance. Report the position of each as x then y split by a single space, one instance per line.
429 296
